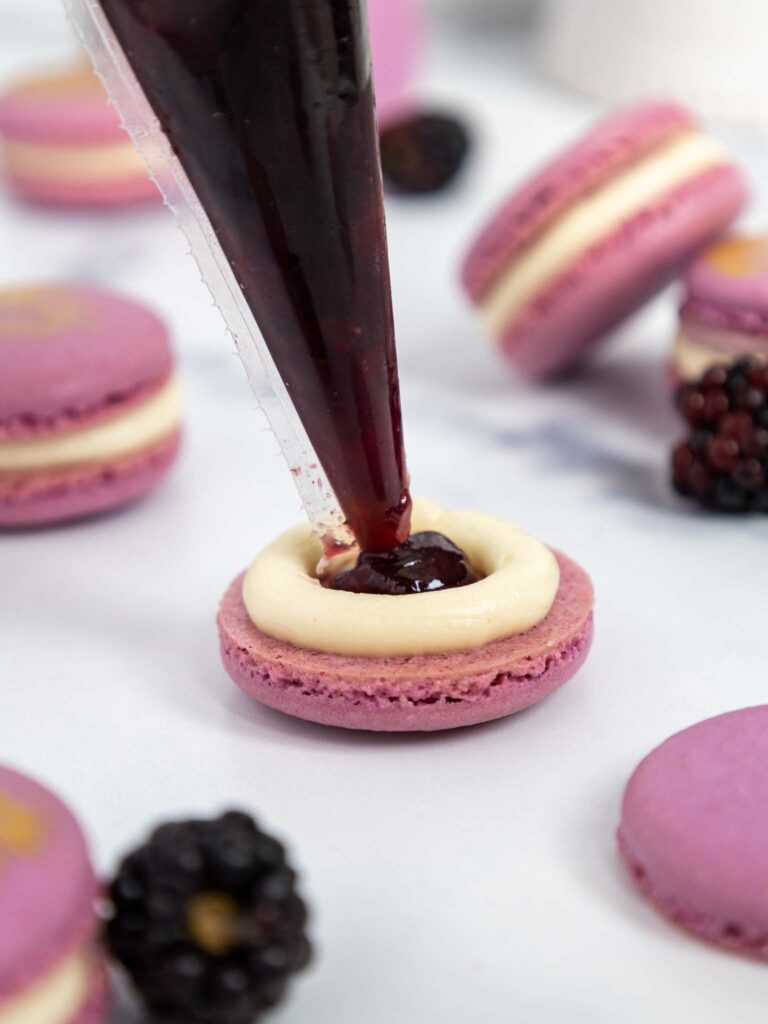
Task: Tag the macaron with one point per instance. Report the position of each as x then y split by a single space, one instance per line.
597 232
444 684
724 315
397 33
694 829
90 408
51 971
64 144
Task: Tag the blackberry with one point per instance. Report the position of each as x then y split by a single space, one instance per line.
206 919
423 152
723 463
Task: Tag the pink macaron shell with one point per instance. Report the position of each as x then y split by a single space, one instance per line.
45 111
47 898
623 137
618 275
72 355
397 33
47 497
735 299
418 693
126 192
96 1006
694 829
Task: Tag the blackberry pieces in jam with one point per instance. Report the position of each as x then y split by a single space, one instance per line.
207 920
426 562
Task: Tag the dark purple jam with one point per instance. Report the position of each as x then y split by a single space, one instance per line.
425 562
269 106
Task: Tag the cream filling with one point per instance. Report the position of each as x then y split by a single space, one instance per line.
692 359
284 598
56 998
594 218
145 423
94 163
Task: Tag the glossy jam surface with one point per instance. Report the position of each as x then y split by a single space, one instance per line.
269 107
426 562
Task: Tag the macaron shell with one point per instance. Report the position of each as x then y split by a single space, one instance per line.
614 278
418 693
694 829
71 355
42 498
68 107
732 278
47 885
397 30
617 141
96 1006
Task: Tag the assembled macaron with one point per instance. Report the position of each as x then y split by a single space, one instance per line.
694 829
51 971
414 662
63 143
724 315
598 231
90 409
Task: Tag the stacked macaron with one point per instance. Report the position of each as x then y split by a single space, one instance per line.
50 969
63 143
89 406
694 829
725 311
598 231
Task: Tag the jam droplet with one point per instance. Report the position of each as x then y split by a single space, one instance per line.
426 562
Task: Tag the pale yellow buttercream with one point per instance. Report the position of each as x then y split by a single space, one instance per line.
144 424
693 359
73 165
55 998
594 218
284 598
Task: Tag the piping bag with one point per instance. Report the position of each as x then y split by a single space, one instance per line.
256 119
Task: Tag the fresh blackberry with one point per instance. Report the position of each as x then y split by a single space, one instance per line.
423 152
206 919
723 464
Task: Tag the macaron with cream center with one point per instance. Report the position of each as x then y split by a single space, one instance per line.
418 662
90 408
64 144
725 310
597 232
50 969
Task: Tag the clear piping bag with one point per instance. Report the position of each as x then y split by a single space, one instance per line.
317 496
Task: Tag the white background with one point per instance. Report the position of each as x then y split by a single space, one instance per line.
468 876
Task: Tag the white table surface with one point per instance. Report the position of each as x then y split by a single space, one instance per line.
468 876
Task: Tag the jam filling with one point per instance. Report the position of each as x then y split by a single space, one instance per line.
426 562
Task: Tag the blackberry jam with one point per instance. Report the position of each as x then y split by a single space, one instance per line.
426 562
269 106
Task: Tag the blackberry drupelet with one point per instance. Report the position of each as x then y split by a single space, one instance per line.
423 152
207 921
723 464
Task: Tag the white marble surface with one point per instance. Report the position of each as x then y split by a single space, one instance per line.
461 877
